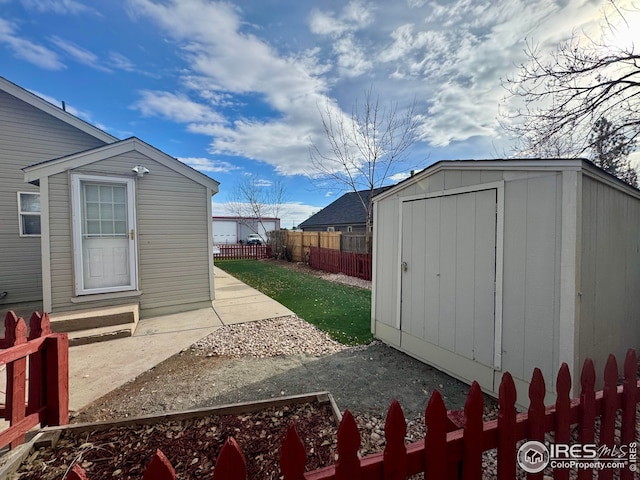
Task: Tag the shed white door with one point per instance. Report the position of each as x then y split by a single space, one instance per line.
448 278
104 219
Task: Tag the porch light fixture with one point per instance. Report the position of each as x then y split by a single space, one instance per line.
140 171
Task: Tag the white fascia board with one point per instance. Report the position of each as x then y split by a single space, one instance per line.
53 167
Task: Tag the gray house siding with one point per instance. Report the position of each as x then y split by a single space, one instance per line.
27 136
172 233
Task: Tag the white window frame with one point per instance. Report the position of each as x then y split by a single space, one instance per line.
22 213
331 229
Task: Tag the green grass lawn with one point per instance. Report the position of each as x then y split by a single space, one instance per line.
344 312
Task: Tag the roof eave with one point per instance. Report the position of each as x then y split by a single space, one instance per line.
46 169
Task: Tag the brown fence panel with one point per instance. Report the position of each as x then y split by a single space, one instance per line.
299 243
242 252
353 242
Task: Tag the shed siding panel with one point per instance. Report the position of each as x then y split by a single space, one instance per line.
386 264
27 136
540 275
431 293
610 272
514 276
465 274
446 338
531 256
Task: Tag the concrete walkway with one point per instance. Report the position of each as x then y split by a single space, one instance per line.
98 368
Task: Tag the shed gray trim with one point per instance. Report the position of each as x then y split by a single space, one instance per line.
59 165
528 164
54 111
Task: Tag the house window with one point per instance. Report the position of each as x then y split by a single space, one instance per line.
349 229
331 229
29 214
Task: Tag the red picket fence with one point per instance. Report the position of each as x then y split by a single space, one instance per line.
241 252
43 398
334 261
448 453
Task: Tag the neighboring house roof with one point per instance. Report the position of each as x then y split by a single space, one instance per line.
346 210
270 219
47 168
41 104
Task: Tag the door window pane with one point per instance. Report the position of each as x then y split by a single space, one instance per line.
104 210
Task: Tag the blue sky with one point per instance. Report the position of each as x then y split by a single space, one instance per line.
233 88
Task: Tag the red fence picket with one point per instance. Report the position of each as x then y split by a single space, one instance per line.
48 382
334 261
444 453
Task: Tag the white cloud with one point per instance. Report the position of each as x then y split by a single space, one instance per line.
120 62
208 165
225 60
450 57
79 54
31 52
352 59
356 15
261 182
56 6
398 177
177 107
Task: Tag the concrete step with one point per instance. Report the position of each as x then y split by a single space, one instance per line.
97 325
93 335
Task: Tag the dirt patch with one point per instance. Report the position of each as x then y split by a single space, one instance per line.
361 379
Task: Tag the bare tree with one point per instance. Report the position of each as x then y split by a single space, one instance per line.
253 201
564 95
364 149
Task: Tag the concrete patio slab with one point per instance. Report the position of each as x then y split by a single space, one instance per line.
98 368
237 302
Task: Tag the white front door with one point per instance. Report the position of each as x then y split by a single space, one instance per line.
104 234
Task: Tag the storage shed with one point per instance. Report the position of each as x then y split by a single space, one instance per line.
487 266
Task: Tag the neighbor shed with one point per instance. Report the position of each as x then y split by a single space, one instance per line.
487 266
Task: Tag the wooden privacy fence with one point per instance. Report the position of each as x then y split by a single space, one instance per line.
241 252
43 398
335 261
299 243
448 453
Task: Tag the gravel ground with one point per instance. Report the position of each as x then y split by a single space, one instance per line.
288 356
284 356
